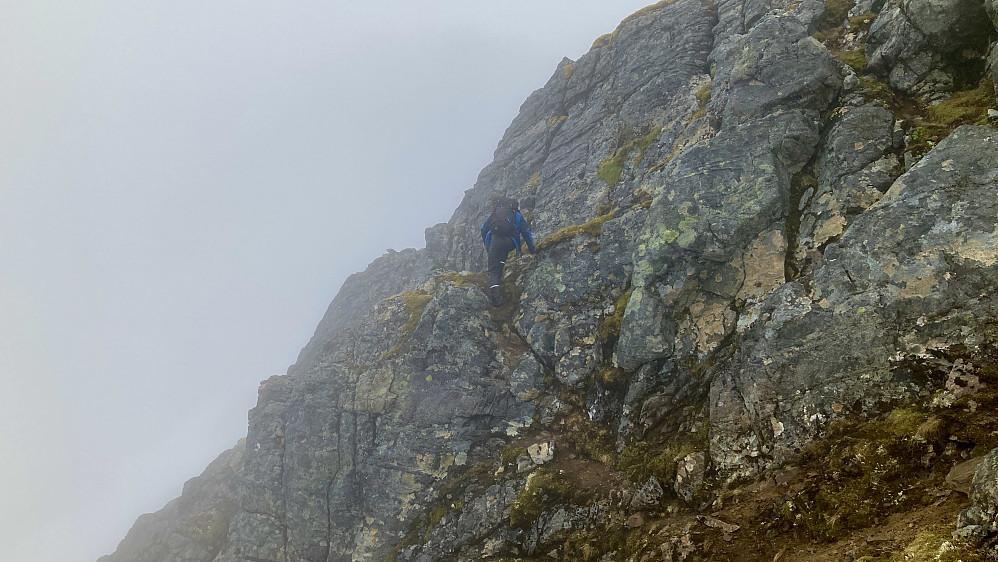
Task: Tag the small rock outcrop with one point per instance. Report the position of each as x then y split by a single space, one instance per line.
924 47
980 520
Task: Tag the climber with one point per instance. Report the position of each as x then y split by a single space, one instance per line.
502 233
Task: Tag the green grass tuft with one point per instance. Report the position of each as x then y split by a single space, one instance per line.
965 107
544 489
414 303
610 169
609 327
591 228
461 280
856 59
639 462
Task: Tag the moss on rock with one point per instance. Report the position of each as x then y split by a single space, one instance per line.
544 489
414 302
461 280
591 228
965 107
855 58
610 169
864 472
609 327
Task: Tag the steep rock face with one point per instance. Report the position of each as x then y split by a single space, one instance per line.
388 275
857 164
889 300
732 256
343 452
576 142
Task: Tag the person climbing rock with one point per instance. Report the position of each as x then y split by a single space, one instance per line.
504 231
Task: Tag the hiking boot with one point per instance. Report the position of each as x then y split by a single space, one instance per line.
495 294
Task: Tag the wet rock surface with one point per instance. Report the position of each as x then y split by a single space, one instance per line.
734 262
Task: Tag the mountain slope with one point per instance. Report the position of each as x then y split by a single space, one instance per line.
768 259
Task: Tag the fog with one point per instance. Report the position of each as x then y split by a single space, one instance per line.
183 188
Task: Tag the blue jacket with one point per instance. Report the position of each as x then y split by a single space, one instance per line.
522 231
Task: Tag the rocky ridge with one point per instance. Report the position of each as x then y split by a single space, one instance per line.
766 280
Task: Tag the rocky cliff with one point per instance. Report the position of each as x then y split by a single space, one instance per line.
762 324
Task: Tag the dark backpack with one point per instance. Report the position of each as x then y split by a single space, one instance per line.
503 218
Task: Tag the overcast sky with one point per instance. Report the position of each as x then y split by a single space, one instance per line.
183 188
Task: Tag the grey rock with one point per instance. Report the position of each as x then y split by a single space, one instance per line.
857 138
560 330
980 520
537 454
866 7
690 473
908 277
776 66
851 82
762 304
721 200
738 18
961 476
717 203
648 495
919 44
715 523
478 526
360 433
191 528
541 453
937 201
616 246
962 381
645 75
388 275
854 167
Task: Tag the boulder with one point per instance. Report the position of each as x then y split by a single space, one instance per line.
921 46
690 474
648 495
980 520
961 476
